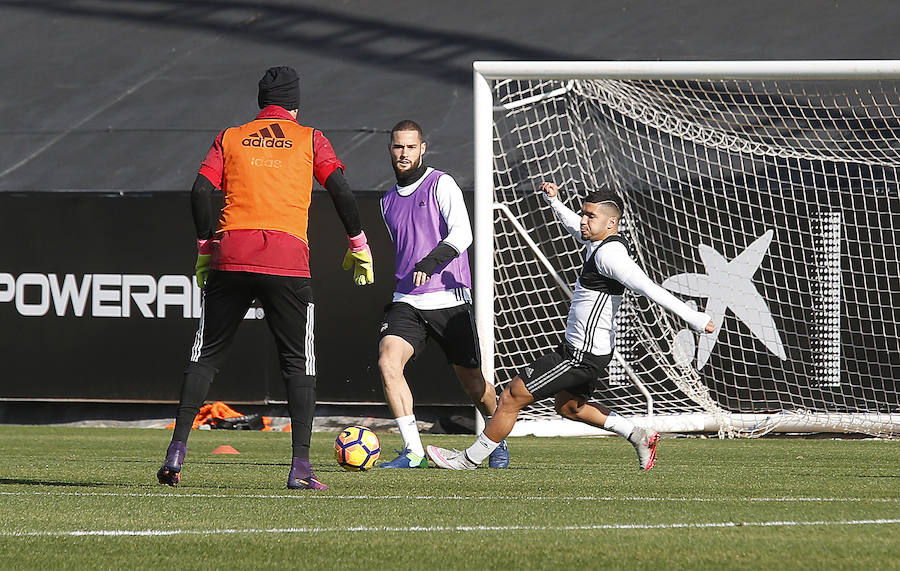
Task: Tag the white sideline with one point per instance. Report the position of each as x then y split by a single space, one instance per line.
700 422
317 496
405 529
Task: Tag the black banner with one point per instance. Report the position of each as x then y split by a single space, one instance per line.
97 302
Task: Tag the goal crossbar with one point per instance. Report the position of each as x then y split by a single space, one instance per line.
772 69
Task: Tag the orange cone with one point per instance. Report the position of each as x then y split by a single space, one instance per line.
225 449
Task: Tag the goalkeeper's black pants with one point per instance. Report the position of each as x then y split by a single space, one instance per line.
288 306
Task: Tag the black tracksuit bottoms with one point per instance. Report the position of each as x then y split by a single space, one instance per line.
288 305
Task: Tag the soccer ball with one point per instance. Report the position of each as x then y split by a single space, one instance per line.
357 449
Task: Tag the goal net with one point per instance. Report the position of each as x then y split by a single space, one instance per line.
763 193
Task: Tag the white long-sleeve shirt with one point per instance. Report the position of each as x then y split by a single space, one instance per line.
608 270
453 209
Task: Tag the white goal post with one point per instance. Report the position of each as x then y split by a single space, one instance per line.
763 192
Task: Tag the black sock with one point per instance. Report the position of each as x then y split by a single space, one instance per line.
193 392
301 393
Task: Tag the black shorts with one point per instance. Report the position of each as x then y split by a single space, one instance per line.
289 310
560 370
453 328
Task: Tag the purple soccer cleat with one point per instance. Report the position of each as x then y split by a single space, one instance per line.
170 473
302 477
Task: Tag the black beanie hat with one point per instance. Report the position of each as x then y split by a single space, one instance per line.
279 86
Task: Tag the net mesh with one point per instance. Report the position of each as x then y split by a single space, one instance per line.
771 205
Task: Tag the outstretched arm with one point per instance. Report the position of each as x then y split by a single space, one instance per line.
201 207
204 224
344 202
613 260
569 219
329 171
358 256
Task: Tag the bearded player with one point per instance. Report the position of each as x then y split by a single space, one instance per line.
429 226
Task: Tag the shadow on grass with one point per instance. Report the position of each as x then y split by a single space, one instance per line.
192 487
285 464
20 482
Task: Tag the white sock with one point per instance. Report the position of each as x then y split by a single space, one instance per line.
618 424
481 449
410 433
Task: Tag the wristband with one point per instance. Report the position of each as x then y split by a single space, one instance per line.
358 242
204 247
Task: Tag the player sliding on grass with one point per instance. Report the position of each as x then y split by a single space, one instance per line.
576 366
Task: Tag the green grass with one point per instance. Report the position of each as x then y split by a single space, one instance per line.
782 503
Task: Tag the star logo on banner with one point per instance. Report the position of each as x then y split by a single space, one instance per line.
728 285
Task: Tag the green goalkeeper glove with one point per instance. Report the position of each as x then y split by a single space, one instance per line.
201 269
359 257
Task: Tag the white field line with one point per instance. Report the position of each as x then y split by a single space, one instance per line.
321 496
440 529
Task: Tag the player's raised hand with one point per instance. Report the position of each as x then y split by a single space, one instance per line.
710 327
550 189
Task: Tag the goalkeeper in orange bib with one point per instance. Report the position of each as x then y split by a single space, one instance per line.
258 249
571 372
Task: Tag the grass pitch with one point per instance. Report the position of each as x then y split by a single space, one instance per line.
88 498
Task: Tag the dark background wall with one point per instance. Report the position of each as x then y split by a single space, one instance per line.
117 346
107 107
127 95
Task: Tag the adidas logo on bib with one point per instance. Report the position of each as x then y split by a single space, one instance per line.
268 137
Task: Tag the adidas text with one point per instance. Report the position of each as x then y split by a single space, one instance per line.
267 143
